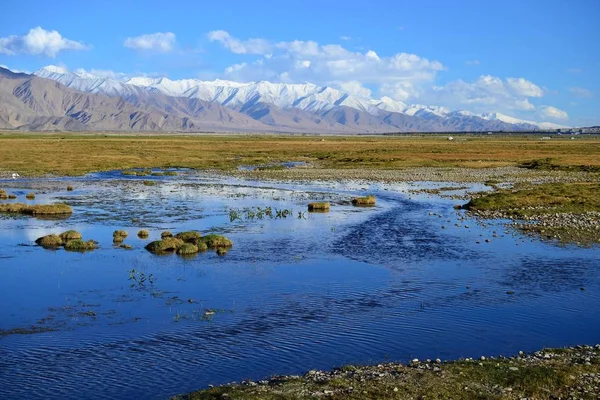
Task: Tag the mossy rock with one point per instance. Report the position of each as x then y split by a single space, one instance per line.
80 245
30 196
166 234
364 201
50 241
70 235
143 234
319 206
213 241
189 236
187 249
69 188
168 244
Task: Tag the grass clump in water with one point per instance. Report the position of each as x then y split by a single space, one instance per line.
319 206
119 236
168 244
158 174
30 196
143 234
12 196
36 209
166 234
187 249
50 241
3 194
189 236
129 173
80 245
149 183
170 173
70 188
364 201
70 235
213 241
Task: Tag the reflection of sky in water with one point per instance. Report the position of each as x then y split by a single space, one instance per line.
353 285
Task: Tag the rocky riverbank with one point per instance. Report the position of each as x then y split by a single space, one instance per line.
567 373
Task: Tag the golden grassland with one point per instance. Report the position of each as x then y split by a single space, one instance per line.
34 154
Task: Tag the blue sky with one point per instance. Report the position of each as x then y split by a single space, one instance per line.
535 60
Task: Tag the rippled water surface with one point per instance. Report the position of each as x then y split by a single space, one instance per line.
404 279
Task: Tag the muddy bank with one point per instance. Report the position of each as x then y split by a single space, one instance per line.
567 373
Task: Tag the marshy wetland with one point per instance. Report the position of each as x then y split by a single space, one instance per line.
247 282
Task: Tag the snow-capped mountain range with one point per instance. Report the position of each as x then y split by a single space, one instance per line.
262 106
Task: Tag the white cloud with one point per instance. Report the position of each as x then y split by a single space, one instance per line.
523 87
39 41
581 92
162 42
553 113
250 46
356 88
472 62
345 38
485 94
402 74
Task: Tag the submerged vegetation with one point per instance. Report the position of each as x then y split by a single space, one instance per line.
36 209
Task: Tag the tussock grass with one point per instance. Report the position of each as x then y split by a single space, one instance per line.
50 241
189 236
30 196
70 235
166 234
187 249
364 201
70 188
319 206
168 244
80 245
149 183
170 173
143 233
3 194
12 196
213 241
119 235
36 209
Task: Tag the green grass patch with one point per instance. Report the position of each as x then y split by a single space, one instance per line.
319 206
37 209
364 201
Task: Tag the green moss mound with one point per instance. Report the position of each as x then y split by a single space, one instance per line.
30 196
319 206
213 241
143 234
119 235
80 245
187 249
189 236
364 201
221 252
70 235
50 241
168 244
166 234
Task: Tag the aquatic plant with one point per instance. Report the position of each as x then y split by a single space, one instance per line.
139 278
189 236
50 241
30 196
319 206
36 209
364 201
168 244
143 233
187 249
213 241
70 235
166 234
80 245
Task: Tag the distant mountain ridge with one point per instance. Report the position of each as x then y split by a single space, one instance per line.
159 104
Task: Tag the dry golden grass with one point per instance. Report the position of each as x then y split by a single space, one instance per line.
75 154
